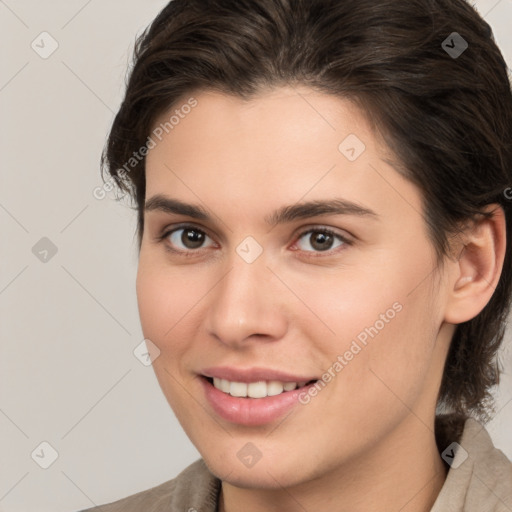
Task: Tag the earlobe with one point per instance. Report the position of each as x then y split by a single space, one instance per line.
476 272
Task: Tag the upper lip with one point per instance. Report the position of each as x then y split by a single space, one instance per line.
253 374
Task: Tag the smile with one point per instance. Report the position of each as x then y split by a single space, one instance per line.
252 403
260 389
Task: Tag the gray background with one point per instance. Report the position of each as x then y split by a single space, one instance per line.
69 325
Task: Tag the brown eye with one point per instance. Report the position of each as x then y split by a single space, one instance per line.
186 238
320 240
192 238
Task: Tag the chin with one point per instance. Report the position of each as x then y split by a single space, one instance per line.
265 474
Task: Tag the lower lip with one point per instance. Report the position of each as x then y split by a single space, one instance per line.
251 411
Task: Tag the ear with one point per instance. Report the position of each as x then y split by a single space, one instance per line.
475 273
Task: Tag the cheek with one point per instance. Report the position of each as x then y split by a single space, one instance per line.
385 326
165 299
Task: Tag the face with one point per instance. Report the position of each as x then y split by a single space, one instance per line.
305 262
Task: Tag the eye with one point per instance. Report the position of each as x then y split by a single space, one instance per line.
321 240
186 238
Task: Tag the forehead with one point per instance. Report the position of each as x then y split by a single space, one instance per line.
282 145
277 118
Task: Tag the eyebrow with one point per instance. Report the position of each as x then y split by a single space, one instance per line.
283 215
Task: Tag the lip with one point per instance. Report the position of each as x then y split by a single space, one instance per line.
251 412
254 374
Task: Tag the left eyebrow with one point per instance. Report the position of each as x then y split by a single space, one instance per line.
314 208
281 216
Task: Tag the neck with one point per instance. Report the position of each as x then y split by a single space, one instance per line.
404 472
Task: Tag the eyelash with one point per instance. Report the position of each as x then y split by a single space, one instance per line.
312 254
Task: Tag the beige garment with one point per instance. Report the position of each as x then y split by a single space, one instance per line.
479 480
482 482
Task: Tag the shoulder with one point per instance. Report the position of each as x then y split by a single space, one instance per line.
491 479
480 475
194 488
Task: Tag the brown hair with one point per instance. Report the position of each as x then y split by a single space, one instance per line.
447 118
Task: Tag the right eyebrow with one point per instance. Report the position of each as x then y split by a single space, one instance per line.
166 204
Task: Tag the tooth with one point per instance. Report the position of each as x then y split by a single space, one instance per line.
274 387
257 389
224 385
238 389
289 386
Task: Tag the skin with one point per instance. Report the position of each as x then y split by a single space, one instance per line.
366 441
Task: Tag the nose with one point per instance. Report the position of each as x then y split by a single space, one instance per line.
247 304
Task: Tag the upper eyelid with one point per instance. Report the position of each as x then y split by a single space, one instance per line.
167 231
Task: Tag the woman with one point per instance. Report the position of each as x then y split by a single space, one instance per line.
323 202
